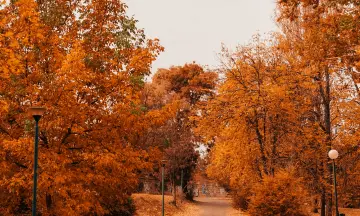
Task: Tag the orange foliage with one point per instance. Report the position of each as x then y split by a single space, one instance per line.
282 102
183 88
85 62
281 195
287 101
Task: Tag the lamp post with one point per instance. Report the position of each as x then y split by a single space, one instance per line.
36 112
333 154
163 162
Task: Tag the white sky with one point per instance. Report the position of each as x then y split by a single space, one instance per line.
193 30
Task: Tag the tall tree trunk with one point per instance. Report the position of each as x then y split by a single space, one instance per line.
274 152
323 191
315 206
323 202
325 95
260 139
174 190
327 119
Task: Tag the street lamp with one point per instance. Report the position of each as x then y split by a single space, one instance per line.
36 112
163 162
333 154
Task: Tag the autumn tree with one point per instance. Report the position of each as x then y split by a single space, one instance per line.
85 61
254 118
286 101
184 87
324 35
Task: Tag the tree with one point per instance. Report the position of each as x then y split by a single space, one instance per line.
325 41
85 62
284 102
254 117
185 88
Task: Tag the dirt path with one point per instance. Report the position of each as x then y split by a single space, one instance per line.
215 207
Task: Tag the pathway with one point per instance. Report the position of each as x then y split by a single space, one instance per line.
212 206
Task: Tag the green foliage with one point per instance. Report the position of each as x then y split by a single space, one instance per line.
137 81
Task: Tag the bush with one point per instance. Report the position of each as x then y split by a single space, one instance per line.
241 199
125 209
241 190
282 195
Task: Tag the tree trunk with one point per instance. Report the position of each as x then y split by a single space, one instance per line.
326 100
327 119
174 190
274 152
329 205
323 202
315 206
262 146
48 201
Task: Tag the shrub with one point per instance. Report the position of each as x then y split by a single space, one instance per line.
241 199
282 195
125 209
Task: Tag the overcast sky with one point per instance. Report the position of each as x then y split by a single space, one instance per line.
193 30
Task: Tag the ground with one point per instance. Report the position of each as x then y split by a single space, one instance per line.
346 211
214 206
150 205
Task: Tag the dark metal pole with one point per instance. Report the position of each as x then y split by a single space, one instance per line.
162 189
335 190
37 118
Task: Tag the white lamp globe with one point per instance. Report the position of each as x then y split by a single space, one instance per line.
333 154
